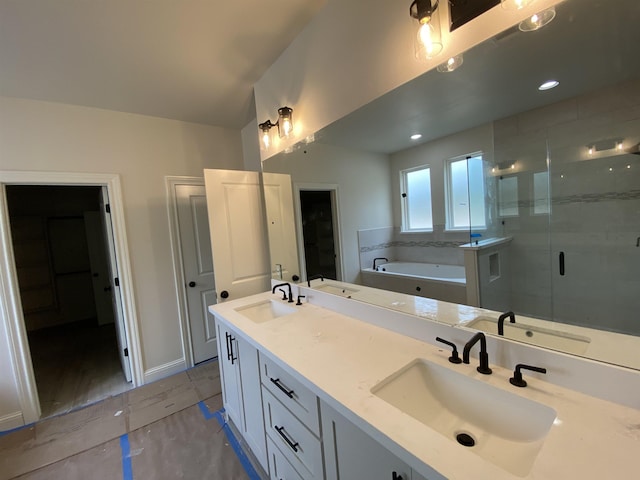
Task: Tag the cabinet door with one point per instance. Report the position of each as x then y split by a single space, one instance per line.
253 425
230 374
351 453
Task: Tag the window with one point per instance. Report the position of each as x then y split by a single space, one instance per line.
508 196
541 193
465 193
416 199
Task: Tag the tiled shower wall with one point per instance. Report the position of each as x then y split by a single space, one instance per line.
595 209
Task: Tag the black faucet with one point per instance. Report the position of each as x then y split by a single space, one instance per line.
379 258
284 285
517 379
454 358
501 318
484 357
315 277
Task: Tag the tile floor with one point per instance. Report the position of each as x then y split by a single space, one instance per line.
163 430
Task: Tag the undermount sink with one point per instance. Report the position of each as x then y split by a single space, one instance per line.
265 310
543 337
336 290
501 427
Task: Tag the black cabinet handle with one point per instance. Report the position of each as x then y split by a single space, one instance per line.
230 356
224 294
292 444
561 263
228 349
395 476
276 382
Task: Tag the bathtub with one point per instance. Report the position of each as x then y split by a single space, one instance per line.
441 282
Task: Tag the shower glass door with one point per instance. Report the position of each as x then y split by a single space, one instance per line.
595 212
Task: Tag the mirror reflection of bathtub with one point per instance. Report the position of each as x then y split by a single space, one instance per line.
440 282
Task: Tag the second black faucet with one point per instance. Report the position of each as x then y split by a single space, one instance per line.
484 356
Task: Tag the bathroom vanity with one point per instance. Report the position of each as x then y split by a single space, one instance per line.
337 388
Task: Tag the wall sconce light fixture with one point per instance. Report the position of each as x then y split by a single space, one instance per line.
428 39
265 128
284 124
451 64
537 20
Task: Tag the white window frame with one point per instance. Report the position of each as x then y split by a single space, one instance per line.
405 228
449 199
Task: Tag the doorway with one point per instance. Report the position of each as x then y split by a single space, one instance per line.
317 210
64 276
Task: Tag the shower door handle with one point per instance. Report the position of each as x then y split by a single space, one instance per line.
561 262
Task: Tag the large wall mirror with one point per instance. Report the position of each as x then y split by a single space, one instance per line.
534 194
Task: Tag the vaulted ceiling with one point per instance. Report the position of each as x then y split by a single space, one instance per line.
190 60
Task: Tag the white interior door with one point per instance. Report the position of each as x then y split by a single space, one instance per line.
238 233
116 299
281 225
195 241
99 267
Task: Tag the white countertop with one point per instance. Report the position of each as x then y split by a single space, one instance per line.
610 347
341 359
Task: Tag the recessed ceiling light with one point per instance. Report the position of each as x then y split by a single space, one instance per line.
549 85
416 136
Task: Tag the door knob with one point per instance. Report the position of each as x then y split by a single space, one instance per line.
224 294
192 284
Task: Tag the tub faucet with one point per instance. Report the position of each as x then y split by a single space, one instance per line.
314 277
484 356
379 258
284 285
501 319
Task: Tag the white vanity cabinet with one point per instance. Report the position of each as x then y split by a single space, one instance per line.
292 425
351 453
240 375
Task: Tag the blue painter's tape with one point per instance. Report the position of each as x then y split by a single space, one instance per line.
127 471
205 411
233 441
7 432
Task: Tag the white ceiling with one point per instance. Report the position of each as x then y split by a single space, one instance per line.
190 60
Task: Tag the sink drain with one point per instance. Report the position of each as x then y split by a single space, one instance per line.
465 439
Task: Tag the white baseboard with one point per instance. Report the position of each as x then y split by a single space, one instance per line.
11 421
162 371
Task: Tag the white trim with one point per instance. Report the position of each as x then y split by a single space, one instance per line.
165 370
11 421
12 314
171 182
337 236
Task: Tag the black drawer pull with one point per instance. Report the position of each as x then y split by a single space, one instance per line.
293 445
561 263
287 392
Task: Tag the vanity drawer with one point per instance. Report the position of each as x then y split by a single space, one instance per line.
296 442
279 466
298 399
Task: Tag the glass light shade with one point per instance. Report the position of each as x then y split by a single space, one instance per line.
516 4
265 134
537 20
285 121
451 64
428 41
266 140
